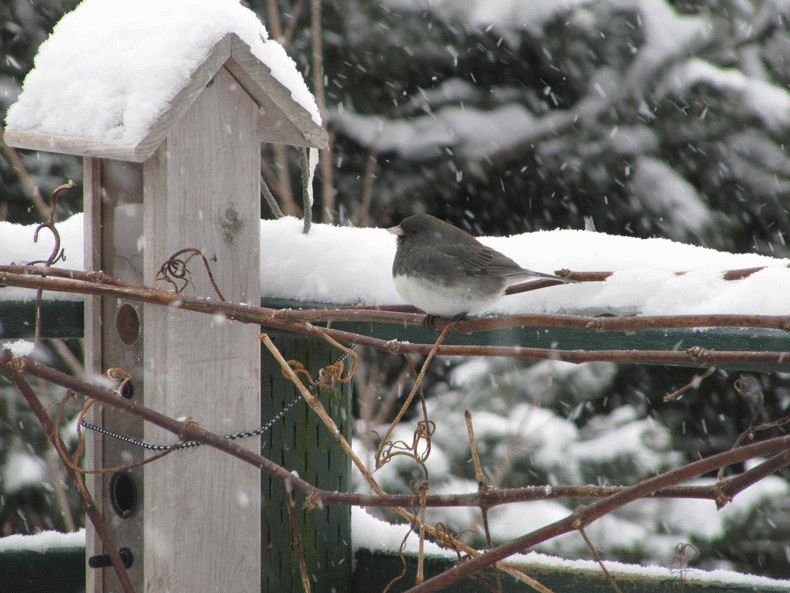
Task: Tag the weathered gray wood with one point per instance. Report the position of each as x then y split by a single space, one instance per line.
283 119
91 185
179 105
36 140
202 509
192 181
122 226
113 221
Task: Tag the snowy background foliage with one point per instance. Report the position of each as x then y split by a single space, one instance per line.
632 117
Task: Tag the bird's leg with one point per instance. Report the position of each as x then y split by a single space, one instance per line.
429 321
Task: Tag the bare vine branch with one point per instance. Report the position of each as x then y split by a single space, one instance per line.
288 320
13 369
613 497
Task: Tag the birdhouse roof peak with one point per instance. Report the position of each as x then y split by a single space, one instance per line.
115 74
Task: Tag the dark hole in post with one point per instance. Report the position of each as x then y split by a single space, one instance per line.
123 494
127 390
127 324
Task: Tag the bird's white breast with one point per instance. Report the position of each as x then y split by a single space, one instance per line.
436 298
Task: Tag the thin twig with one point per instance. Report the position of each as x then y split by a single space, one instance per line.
327 195
306 171
314 496
399 315
693 384
367 188
694 356
490 498
297 538
482 486
583 516
470 433
599 560
274 19
67 356
283 186
175 270
56 254
292 22
410 397
27 180
270 200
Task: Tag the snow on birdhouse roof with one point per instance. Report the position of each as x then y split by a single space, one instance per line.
115 74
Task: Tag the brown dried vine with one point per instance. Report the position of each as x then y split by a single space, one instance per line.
57 253
72 281
13 368
292 321
777 448
175 271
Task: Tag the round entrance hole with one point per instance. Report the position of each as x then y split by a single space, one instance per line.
127 324
123 494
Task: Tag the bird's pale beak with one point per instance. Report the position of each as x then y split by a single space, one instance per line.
395 230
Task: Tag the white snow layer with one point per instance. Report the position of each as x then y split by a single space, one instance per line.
352 266
20 347
373 534
41 542
506 16
110 67
346 265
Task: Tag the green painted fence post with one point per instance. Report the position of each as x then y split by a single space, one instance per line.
301 443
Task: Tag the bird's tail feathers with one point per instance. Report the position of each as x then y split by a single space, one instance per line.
527 273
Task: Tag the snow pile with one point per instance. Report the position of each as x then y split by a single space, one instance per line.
764 100
506 16
42 542
471 133
110 67
670 197
352 266
19 347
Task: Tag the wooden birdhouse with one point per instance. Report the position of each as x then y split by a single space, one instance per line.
187 175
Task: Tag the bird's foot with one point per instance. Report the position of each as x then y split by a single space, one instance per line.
430 321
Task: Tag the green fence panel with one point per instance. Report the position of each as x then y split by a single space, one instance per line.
52 571
59 319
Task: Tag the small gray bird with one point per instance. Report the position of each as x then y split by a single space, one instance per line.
446 272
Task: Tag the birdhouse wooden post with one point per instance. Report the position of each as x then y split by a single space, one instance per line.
190 521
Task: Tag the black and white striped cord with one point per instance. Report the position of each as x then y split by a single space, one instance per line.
189 444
